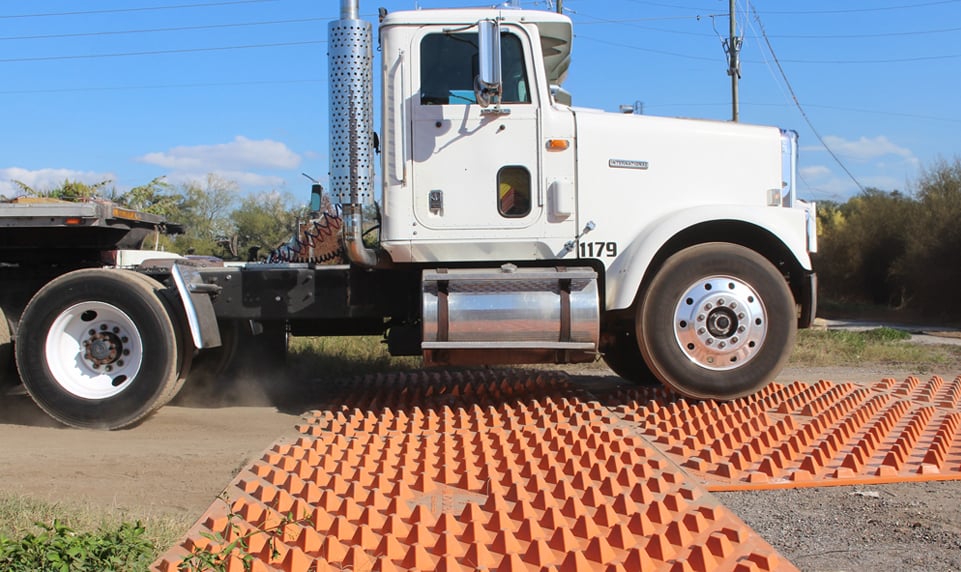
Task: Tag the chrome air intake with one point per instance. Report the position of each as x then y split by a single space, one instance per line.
350 69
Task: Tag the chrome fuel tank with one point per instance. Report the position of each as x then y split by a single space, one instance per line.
510 315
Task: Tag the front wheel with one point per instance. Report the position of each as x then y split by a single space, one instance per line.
99 348
717 321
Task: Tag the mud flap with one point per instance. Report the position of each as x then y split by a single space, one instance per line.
198 307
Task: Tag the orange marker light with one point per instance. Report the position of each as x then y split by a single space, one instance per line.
73 220
558 144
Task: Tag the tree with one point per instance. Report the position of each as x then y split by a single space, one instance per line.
68 190
933 261
862 244
156 197
205 213
265 220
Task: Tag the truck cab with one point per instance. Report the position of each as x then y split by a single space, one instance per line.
465 181
693 227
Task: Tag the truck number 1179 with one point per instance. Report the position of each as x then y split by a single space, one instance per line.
597 249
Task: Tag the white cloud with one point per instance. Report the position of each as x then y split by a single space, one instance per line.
244 179
867 148
45 179
815 172
241 154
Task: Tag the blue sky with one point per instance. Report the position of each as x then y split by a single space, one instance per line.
128 90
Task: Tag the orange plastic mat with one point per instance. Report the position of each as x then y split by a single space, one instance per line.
806 435
474 471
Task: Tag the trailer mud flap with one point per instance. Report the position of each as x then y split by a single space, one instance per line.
198 307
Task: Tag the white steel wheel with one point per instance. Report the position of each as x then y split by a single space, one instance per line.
99 348
717 321
94 350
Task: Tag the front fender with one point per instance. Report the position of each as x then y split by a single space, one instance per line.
627 271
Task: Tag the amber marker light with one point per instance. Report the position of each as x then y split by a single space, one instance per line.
73 220
558 144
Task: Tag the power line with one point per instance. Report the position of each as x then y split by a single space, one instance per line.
797 102
859 10
174 29
638 48
126 10
877 61
160 86
160 52
633 21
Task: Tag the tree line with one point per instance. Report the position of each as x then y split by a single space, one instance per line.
217 219
896 249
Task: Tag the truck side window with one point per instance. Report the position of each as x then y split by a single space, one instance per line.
514 192
448 66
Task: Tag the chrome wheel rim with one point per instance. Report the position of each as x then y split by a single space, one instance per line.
720 323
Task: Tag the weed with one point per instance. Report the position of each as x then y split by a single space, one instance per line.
58 548
216 557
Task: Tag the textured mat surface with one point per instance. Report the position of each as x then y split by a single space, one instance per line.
806 435
475 471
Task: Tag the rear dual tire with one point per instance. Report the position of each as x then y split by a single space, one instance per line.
102 349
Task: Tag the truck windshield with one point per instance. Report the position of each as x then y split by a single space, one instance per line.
448 66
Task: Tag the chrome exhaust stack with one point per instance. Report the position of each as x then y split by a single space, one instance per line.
350 69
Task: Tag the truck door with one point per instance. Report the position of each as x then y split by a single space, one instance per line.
476 169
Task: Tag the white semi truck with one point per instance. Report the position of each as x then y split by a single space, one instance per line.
514 228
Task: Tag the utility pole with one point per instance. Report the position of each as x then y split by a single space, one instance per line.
732 46
560 6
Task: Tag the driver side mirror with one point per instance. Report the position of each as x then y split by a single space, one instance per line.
488 86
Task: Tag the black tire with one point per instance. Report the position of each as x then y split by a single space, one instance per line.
6 354
134 355
170 297
718 321
623 356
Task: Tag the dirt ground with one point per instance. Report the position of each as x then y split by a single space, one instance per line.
178 461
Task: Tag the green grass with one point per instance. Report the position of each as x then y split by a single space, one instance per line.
880 346
345 356
36 535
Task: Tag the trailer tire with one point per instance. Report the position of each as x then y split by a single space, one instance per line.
6 353
624 358
718 321
100 349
